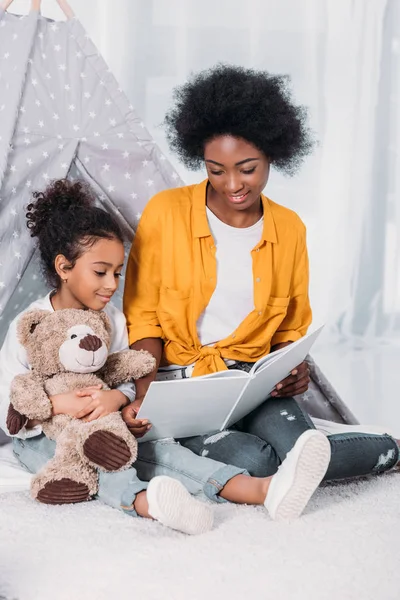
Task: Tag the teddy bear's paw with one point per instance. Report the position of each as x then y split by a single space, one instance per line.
15 421
63 491
107 451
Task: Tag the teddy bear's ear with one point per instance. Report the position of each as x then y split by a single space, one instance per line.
28 323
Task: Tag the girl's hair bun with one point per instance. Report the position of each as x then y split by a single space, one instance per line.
53 204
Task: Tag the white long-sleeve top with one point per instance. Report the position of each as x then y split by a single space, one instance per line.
14 360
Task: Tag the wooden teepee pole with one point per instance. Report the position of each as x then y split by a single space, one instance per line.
5 4
65 7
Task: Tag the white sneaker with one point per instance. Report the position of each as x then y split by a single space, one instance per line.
171 504
298 476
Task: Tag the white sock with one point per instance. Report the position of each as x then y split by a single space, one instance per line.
171 504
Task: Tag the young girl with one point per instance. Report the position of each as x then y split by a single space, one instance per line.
81 249
218 272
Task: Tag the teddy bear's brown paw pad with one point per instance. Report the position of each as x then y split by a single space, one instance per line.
107 450
15 421
63 491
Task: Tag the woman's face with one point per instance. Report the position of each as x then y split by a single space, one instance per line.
237 171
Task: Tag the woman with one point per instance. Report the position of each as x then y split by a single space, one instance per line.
218 273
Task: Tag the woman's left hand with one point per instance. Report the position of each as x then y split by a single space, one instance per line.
103 403
296 383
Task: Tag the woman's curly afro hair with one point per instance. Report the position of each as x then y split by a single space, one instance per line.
248 104
65 220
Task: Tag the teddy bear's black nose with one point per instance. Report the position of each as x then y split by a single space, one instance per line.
90 342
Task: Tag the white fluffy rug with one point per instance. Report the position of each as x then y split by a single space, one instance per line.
346 546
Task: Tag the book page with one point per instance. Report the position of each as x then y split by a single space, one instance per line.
267 359
263 381
167 375
187 407
223 375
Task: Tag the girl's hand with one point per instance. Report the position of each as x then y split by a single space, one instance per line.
103 402
71 403
296 383
138 427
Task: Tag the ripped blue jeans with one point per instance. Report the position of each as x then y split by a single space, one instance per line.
202 477
261 441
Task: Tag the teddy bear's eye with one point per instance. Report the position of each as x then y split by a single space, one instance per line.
73 336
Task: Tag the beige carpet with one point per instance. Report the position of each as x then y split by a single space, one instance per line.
346 546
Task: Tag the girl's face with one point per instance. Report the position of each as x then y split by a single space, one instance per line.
237 171
94 278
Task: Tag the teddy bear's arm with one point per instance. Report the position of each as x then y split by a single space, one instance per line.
15 421
127 365
28 397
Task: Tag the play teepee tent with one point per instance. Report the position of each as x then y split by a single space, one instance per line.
63 114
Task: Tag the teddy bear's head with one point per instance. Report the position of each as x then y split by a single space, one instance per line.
65 340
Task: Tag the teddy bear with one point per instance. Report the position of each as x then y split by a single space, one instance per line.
68 350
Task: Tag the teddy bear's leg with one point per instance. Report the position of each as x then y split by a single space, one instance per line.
66 479
55 427
107 443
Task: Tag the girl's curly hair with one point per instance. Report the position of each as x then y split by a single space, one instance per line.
65 220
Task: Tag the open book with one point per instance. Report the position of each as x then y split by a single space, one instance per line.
200 405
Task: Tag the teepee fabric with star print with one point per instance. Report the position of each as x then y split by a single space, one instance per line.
62 114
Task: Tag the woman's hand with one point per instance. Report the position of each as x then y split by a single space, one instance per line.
71 403
138 427
103 402
296 383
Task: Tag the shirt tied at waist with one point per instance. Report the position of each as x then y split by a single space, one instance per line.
206 359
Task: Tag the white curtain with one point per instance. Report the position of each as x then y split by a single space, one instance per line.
355 255
344 60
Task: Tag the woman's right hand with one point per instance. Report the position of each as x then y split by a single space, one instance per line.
70 403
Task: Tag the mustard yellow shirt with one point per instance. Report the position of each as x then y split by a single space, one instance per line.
171 276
